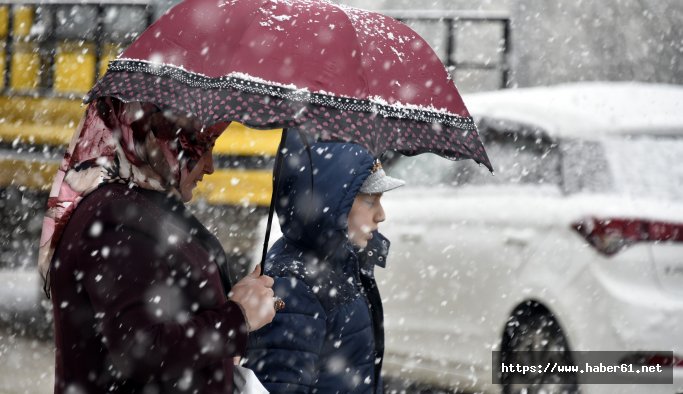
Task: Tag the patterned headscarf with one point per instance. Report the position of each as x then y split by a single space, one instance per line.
133 143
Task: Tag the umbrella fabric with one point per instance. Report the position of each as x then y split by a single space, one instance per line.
332 71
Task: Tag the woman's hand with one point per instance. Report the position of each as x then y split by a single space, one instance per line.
254 293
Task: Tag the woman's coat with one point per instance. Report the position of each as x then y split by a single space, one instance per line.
139 306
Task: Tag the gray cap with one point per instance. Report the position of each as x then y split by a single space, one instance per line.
379 182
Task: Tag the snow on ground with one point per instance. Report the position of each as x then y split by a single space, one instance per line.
26 364
20 292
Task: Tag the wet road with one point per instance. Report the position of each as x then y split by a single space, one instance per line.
27 367
27 362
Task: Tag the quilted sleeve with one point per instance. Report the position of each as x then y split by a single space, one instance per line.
285 354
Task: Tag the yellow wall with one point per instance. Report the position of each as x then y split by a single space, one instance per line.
74 67
25 63
109 52
25 66
3 67
4 29
22 22
4 20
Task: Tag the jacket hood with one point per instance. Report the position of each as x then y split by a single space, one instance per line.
316 190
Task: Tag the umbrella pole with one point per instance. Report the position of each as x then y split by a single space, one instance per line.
271 208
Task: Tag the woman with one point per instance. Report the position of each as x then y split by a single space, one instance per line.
329 338
140 302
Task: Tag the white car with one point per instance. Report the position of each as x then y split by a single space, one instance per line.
575 243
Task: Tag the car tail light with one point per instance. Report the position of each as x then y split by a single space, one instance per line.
609 236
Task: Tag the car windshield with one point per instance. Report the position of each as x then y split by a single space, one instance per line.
634 166
646 166
517 159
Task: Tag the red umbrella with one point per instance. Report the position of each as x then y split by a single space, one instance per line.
332 71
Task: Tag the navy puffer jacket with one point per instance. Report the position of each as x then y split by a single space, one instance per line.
329 338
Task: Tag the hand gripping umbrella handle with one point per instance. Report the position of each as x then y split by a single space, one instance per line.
271 208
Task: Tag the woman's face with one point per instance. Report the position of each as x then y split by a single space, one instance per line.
366 214
190 178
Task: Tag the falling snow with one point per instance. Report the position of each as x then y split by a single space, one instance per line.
467 247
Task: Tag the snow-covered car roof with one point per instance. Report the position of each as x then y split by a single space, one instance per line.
587 109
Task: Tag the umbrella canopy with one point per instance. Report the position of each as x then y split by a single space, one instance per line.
332 71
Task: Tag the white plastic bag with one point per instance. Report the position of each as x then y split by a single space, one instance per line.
246 382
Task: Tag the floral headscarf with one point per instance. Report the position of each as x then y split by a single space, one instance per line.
132 143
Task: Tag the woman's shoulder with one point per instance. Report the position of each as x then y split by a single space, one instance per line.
117 205
108 194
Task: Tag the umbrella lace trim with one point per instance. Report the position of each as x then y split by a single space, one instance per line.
249 84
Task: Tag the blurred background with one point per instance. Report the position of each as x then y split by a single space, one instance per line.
51 53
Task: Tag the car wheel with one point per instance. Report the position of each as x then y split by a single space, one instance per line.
532 336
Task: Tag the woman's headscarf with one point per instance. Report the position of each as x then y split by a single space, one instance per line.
132 143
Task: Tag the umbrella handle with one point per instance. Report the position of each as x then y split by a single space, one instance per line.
276 181
271 208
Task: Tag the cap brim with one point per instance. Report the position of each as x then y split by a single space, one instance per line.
380 183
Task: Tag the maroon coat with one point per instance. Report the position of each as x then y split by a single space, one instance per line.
138 301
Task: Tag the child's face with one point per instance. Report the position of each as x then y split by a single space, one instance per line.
364 218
